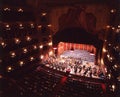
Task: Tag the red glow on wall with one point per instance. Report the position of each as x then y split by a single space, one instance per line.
103 87
63 46
63 80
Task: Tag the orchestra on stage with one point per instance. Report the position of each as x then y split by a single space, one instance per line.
78 62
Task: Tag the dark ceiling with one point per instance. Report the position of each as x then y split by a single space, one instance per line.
56 2
76 35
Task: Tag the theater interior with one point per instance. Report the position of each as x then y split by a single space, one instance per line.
60 48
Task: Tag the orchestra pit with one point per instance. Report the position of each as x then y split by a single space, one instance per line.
60 48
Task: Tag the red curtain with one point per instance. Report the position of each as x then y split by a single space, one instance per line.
63 46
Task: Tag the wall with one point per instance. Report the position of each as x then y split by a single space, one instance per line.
101 12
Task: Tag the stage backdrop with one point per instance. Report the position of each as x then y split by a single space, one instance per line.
63 46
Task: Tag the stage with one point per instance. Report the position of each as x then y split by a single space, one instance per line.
78 62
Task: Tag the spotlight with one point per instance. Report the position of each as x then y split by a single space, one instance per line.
109 76
34 47
32 25
25 50
104 50
21 63
0 60
31 58
9 69
28 38
21 26
115 66
3 44
50 43
6 9
106 70
41 46
7 26
108 26
42 56
1 76
50 53
108 55
17 40
118 26
50 36
20 10
12 54
113 28
55 48
39 26
43 14
49 25
112 87
113 10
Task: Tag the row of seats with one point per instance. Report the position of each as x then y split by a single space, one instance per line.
41 84
80 89
44 83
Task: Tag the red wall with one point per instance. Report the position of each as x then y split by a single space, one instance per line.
63 46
